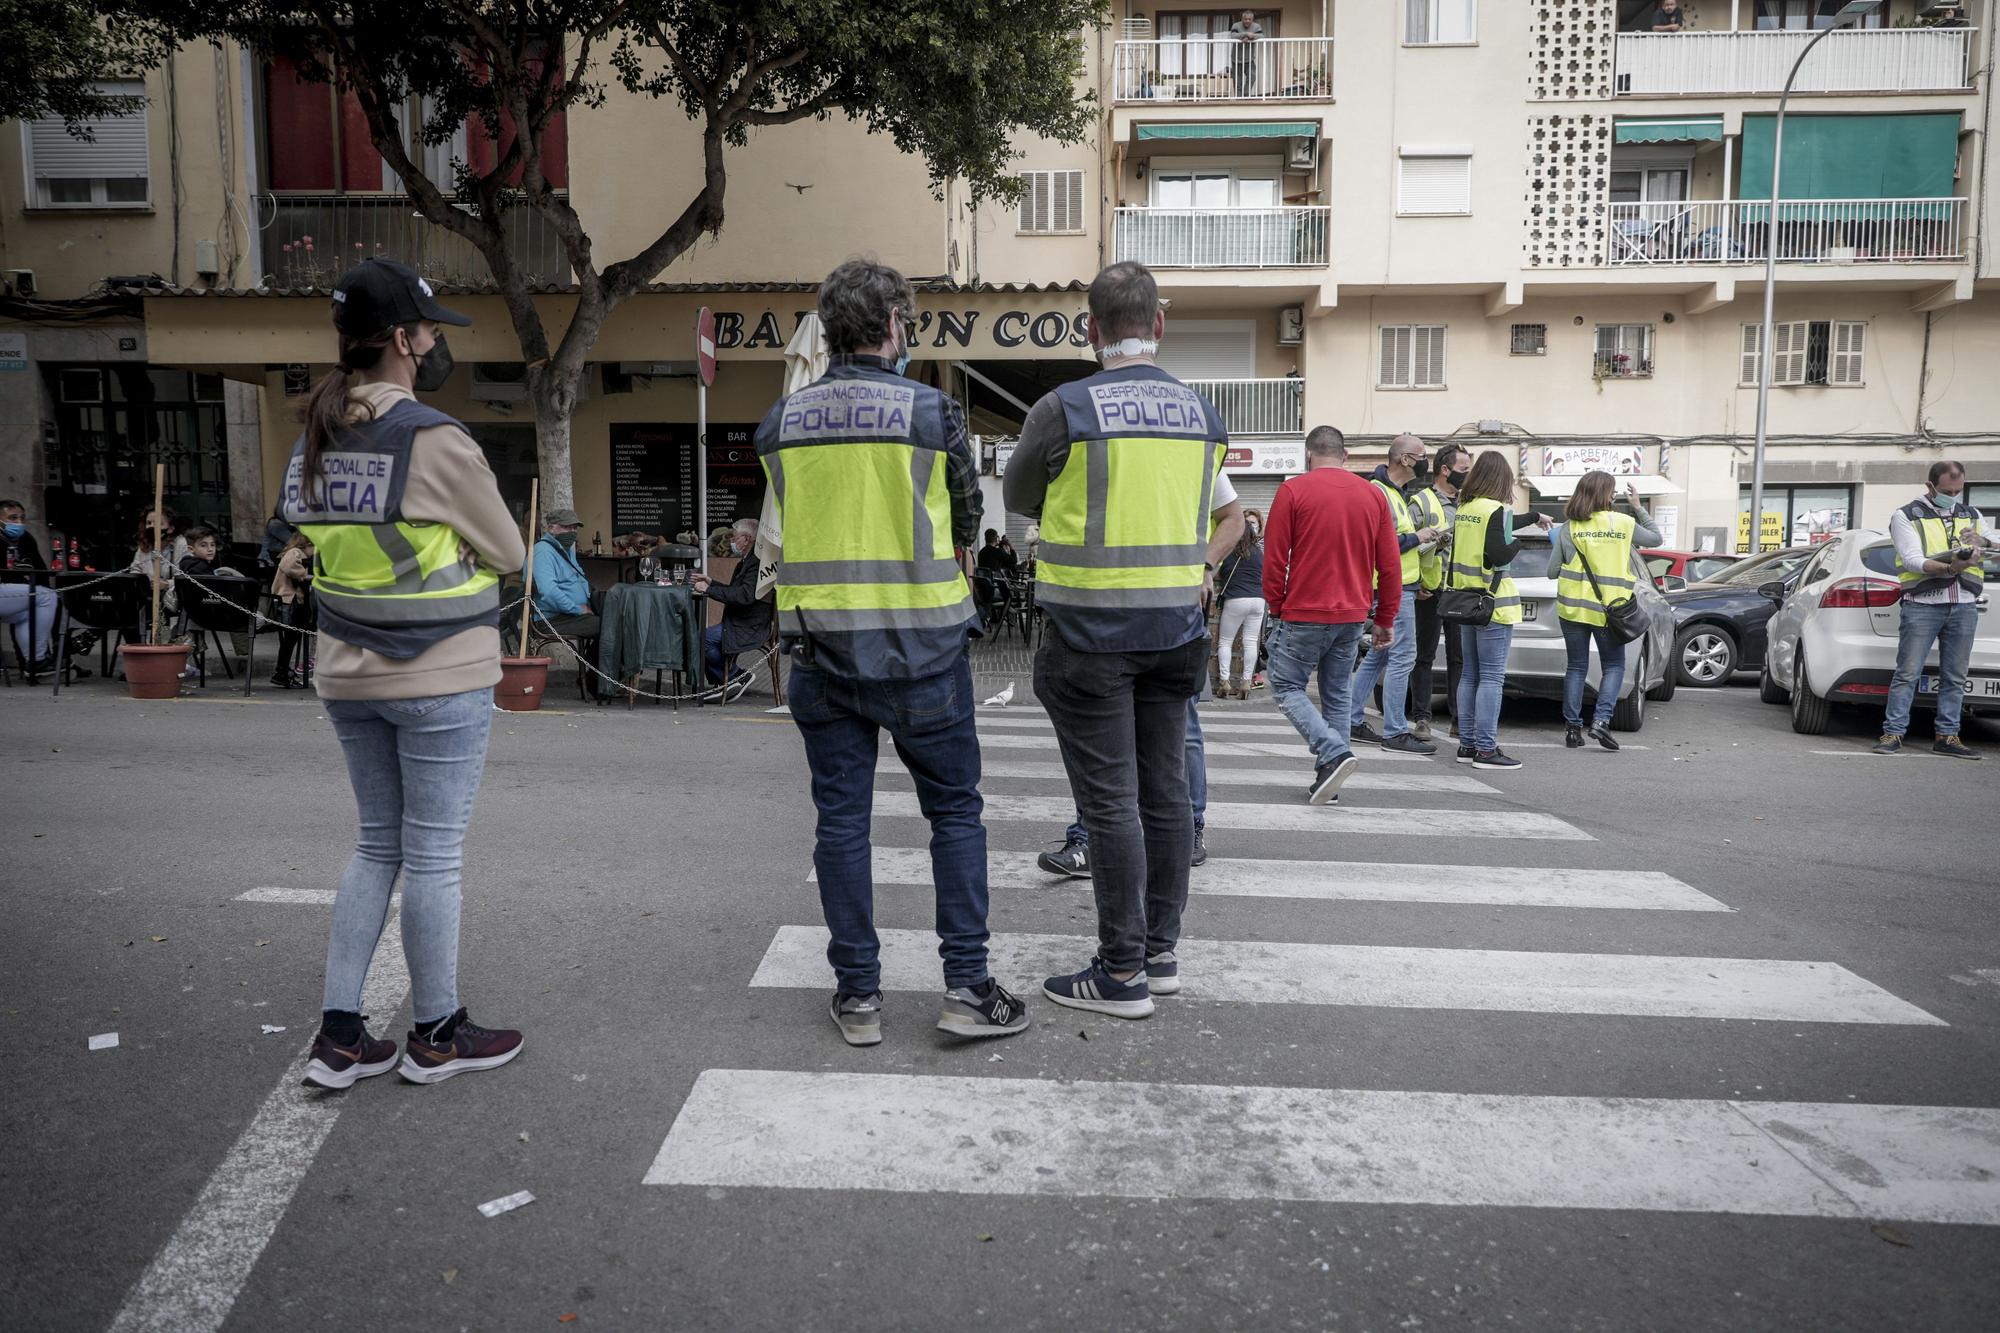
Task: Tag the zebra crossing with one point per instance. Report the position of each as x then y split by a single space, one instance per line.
882 1130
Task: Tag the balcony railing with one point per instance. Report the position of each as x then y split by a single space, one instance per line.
1270 69
1809 231
311 240
1223 237
1869 60
1257 407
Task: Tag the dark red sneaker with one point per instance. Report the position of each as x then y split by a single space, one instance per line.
335 1066
468 1046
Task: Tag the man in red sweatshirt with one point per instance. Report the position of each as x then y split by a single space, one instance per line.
1330 556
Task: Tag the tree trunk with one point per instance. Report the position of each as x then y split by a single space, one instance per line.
555 395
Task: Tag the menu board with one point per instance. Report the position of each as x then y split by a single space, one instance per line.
653 475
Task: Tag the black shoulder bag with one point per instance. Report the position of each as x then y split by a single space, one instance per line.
1468 606
1625 617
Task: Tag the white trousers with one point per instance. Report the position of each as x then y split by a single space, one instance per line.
1242 616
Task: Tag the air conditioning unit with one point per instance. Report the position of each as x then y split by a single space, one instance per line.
1303 155
499 382
1291 326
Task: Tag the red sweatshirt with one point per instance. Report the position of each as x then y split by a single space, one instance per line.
1329 543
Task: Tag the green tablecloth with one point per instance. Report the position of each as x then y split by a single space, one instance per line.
647 627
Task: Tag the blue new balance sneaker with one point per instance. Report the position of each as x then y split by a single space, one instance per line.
1096 989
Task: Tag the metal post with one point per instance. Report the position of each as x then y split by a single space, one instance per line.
701 470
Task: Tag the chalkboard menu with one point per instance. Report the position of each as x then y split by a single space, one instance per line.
653 476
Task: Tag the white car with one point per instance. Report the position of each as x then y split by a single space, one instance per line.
1833 639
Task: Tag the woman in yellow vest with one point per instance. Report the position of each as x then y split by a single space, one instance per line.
1482 546
410 536
1595 540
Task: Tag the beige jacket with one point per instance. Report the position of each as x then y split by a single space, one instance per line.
449 483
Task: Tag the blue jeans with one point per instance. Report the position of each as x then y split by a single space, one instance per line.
711 652
1298 648
415 766
1480 683
1196 762
929 721
1398 659
1611 677
19 604
1951 626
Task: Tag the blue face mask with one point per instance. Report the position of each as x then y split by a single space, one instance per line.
14 529
903 355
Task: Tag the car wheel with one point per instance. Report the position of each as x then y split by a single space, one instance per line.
1630 714
1809 710
1769 690
1704 656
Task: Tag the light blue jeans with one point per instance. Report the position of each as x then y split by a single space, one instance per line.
1480 683
1298 648
1397 659
1951 626
20 604
415 766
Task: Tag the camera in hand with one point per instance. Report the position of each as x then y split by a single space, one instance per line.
1963 553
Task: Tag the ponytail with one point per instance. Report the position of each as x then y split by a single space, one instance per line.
325 411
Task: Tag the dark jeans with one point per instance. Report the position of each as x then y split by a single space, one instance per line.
929 721
1122 720
1195 756
1576 666
711 653
1430 627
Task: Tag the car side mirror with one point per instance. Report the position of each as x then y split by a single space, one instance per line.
1672 582
1775 590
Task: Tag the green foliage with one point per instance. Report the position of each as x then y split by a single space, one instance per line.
54 52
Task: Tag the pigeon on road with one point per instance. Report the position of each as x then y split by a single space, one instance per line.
1002 699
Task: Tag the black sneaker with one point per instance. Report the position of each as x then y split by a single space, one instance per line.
1328 777
1163 973
283 680
456 1046
1494 759
1889 744
1954 747
1073 860
1466 754
859 1017
1097 990
1200 848
332 1065
1408 744
986 1010
1602 735
1363 734
1573 737
737 686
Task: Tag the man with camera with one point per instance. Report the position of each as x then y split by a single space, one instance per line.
1939 547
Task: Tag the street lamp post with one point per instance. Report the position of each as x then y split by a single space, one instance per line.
1853 9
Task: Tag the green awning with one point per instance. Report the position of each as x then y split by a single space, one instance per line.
1680 129
1854 157
1236 129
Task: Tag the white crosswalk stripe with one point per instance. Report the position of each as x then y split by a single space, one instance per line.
1293 779
912 1133
1359 881
1251 725
1253 972
1217 749
1286 818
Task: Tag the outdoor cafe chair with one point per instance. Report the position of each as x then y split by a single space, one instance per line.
215 606
113 604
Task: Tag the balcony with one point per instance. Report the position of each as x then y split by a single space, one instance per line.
311 240
1257 407
1270 69
1809 231
1223 237
1874 60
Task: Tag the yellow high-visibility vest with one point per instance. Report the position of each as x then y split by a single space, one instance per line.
1941 537
1429 513
1468 559
1399 510
1605 538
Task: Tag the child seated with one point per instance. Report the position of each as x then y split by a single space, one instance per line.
202 549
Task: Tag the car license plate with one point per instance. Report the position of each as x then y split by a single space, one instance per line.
1531 610
1987 687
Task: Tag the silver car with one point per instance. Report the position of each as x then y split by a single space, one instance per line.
1536 660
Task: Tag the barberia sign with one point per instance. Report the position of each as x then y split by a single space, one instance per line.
1007 328
1573 460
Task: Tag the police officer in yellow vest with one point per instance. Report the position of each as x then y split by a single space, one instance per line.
1392 665
1594 555
1941 550
1123 468
875 482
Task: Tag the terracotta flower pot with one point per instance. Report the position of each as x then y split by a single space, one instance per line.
523 682
153 670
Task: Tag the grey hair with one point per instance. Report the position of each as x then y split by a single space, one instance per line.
1123 300
1404 441
858 303
1326 442
747 526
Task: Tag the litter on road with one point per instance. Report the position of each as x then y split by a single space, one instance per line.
495 1207
103 1041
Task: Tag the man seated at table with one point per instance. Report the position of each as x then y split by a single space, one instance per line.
996 556
746 618
28 609
562 592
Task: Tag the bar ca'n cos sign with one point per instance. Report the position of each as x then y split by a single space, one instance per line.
937 330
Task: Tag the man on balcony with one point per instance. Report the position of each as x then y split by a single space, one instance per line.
1668 17
1243 57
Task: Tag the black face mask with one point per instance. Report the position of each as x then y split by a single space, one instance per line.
434 367
1457 479
1420 469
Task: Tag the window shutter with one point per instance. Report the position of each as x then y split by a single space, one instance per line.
1752 336
1434 185
1848 337
1395 371
119 150
1068 211
1427 357
1788 353
1053 201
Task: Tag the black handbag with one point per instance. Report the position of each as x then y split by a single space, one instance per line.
1625 618
1468 606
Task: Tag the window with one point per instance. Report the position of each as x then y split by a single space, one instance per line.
1624 352
1808 352
1528 340
1635 185
1440 22
1053 203
1986 499
1194 43
110 171
1213 187
1412 357
1803 14
1433 182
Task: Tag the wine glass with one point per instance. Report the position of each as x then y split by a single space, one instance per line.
648 567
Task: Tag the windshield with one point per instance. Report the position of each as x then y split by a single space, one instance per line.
1758 569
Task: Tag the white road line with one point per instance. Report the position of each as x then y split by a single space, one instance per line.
194 1280
1287 818
912 1134
1274 727
1358 881
1844 754
1215 749
1251 972
268 894
1218 776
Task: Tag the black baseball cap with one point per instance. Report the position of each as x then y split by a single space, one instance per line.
377 294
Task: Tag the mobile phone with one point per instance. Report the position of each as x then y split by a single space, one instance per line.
1962 553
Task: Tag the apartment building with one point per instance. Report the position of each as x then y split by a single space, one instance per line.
1533 224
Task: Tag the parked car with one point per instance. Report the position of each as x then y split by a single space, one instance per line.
1719 622
1536 660
1670 570
1833 639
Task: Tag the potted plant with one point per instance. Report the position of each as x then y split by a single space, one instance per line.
524 680
153 670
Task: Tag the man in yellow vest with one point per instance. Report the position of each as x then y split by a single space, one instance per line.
874 480
1124 470
1940 547
1407 464
1435 505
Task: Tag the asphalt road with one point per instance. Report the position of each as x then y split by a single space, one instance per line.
628 873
